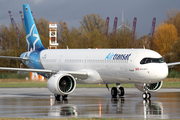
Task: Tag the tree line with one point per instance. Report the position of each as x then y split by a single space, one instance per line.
91 34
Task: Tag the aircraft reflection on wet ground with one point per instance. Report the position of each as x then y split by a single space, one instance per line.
161 106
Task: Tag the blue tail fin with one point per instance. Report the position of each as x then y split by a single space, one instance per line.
32 36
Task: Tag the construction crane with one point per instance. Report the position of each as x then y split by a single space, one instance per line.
107 26
153 26
15 27
5 44
134 27
1 40
131 43
33 15
115 25
22 17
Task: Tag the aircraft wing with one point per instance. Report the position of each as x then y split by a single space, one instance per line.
27 70
15 58
171 65
76 74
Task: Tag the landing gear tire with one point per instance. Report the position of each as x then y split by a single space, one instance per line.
149 95
114 92
57 97
121 91
146 95
64 97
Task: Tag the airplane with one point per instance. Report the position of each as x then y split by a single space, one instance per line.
144 68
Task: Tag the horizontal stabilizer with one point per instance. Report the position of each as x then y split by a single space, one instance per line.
15 58
27 70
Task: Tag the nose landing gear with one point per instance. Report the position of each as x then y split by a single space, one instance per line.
146 94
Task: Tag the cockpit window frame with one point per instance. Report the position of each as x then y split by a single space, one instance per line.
148 60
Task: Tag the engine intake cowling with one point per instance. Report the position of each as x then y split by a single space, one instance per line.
153 87
62 84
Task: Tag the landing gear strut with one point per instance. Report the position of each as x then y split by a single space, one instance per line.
117 90
146 94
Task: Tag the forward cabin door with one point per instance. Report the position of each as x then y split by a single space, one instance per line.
131 71
131 62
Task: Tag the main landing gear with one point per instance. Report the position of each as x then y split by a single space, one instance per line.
120 91
146 94
117 91
58 97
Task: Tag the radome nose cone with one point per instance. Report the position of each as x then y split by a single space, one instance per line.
162 71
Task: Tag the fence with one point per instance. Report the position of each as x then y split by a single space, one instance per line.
174 74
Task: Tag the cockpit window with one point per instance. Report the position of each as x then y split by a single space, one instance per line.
152 60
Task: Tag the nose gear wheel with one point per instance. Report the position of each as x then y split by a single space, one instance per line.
146 94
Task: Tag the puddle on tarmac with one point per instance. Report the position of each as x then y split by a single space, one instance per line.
161 106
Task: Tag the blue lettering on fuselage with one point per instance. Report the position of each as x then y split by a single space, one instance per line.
109 56
121 56
112 56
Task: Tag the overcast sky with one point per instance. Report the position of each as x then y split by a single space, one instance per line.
72 11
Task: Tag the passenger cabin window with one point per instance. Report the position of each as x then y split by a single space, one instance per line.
152 60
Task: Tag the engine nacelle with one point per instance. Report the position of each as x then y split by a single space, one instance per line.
61 84
153 87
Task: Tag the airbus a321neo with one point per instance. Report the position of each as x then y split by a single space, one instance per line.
144 68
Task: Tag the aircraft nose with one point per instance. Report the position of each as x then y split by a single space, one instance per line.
162 71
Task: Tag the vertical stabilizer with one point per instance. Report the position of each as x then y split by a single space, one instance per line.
32 36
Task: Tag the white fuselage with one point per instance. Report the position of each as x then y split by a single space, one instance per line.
112 65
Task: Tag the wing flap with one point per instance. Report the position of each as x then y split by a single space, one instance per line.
75 74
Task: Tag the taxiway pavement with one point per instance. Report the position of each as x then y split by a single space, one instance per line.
89 102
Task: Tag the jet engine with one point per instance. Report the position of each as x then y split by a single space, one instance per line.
61 84
152 87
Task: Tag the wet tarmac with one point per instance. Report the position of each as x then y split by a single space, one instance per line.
89 102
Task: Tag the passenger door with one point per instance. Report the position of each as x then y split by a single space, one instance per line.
131 62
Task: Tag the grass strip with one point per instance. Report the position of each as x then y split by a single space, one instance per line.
23 84
16 83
